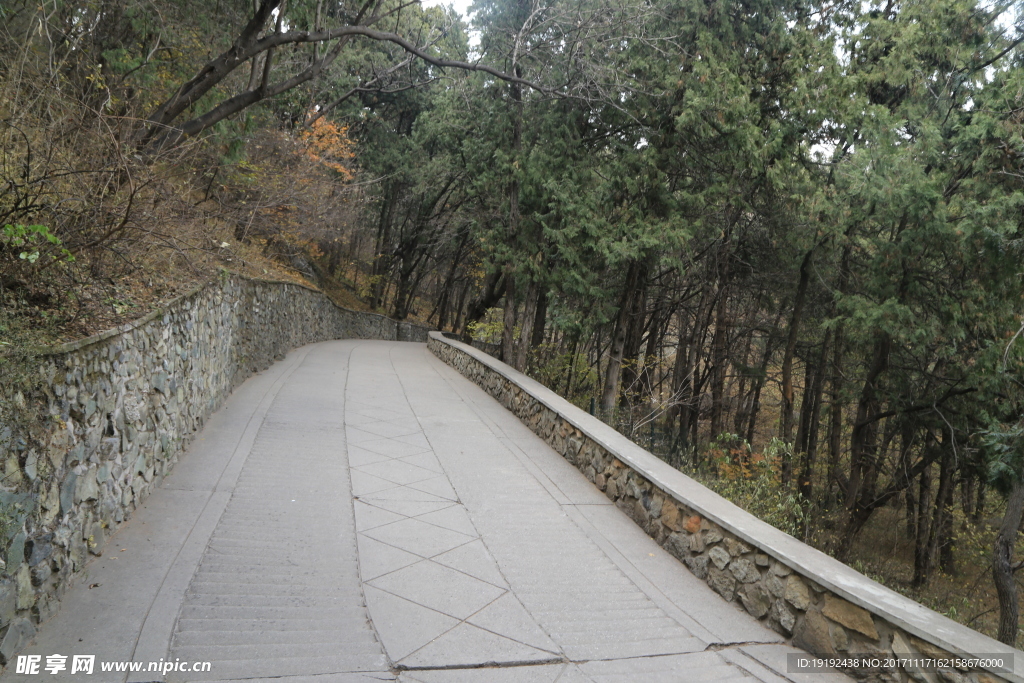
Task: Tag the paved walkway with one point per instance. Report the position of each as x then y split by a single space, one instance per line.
361 512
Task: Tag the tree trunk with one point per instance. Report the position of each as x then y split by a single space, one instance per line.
447 289
526 327
682 374
719 359
786 418
923 526
836 381
610 394
762 375
508 331
807 432
381 251
864 437
743 393
911 512
493 289
940 527
540 320
460 307
511 297
636 317
687 385
1002 566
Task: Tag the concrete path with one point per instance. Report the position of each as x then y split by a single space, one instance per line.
361 512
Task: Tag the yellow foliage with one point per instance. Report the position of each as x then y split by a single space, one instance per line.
329 144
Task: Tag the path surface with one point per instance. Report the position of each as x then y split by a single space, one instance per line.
361 512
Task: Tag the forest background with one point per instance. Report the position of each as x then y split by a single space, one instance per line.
778 242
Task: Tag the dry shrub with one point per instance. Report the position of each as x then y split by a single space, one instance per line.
94 230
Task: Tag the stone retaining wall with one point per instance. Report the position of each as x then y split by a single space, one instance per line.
88 429
816 602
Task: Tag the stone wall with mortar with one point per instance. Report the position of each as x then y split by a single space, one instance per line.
816 602
88 429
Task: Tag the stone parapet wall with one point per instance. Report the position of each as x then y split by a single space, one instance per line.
88 429
814 601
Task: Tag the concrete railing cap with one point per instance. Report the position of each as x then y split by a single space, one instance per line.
809 562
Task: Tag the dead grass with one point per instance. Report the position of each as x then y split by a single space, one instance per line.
262 218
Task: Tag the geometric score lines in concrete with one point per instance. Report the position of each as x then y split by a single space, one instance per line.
361 512
434 594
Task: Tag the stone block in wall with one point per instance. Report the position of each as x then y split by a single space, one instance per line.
796 593
812 634
722 582
755 599
91 431
720 556
849 615
698 565
18 634
787 601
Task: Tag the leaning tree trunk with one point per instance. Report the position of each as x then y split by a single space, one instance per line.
1002 567
493 289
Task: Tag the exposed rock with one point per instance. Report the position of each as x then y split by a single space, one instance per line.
927 648
812 634
901 648
20 632
16 553
736 547
762 560
26 596
50 504
31 469
744 570
849 615
41 573
640 515
796 593
8 602
697 543
952 676
42 549
678 545
120 403
698 565
693 524
670 516
719 556
840 641
95 535
775 585
755 599
722 582
87 487
781 615
779 569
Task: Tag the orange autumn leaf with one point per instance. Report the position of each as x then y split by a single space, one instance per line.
328 144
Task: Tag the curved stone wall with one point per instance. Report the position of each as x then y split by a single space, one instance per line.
816 602
89 428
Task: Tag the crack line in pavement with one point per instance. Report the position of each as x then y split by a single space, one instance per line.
489 665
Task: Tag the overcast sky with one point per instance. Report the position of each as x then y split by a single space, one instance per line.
461 6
